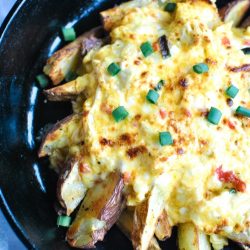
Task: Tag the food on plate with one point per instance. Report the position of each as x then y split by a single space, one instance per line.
99 211
190 238
234 11
163 230
67 59
125 224
64 133
70 90
159 135
145 219
246 22
70 189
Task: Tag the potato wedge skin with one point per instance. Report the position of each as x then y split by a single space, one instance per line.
243 238
245 23
145 219
110 17
234 11
67 59
53 136
103 204
163 230
71 90
125 224
63 92
190 238
70 189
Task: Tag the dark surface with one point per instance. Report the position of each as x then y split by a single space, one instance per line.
27 186
8 238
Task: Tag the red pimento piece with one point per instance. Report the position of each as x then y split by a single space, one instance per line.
226 42
106 108
156 46
84 168
247 43
230 177
230 124
126 177
163 113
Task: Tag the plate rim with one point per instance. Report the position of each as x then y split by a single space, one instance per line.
7 213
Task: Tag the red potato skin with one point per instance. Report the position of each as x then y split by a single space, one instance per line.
65 172
225 11
109 213
245 23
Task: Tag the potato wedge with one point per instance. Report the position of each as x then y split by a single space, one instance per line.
125 224
70 189
100 209
244 247
163 230
243 238
67 59
217 241
64 133
146 216
112 17
190 238
234 11
245 23
70 90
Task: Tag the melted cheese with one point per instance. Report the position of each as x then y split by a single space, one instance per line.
185 170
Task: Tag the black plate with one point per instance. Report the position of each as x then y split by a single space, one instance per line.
27 187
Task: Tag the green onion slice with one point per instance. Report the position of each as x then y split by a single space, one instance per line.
232 91
69 34
243 111
70 76
114 69
160 84
42 80
63 221
214 116
146 49
246 51
165 138
152 96
200 68
232 191
170 7
120 114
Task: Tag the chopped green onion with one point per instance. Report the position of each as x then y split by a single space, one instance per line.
214 116
160 84
243 111
200 68
232 91
232 191
42 80
152 96
69 34
114 69
170 7
120 114
246 51
165 138
146 49
70 76
63 221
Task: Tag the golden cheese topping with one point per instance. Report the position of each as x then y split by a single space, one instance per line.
192 171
